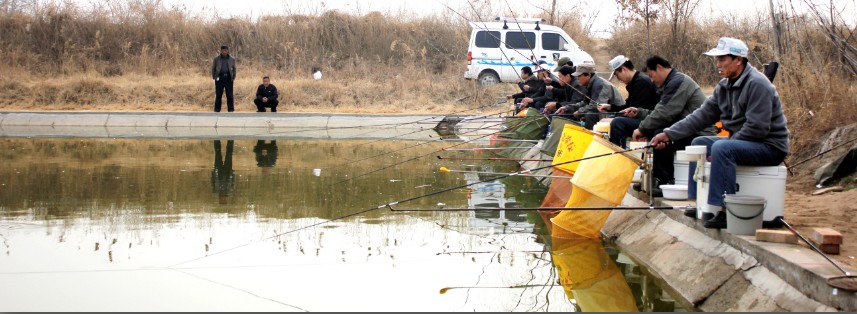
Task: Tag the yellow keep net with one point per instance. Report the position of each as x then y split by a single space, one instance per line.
572 145
598 182
590 276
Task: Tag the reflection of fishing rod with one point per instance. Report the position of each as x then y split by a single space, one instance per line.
489 252
445 290
482 148
547 208
524 173
489 158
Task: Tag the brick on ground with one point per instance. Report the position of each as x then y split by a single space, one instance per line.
826 236
832 249
776 236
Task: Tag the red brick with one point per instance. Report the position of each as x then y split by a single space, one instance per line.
777 236
826 236
832 249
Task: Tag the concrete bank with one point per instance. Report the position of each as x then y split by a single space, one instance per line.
200 125
714 270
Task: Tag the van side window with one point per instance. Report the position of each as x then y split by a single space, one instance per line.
518 40
553 41
487 39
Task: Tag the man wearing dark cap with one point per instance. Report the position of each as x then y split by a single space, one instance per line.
223 73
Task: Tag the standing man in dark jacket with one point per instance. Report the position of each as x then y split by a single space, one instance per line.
750 109
223 73
680 96
266 96
642 93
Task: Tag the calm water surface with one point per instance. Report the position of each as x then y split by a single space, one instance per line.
285 225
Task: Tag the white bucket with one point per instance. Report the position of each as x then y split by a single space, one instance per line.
744 213
316 172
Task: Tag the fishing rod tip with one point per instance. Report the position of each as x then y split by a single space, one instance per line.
443 169
438 157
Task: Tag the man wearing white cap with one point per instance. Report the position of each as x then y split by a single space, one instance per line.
749 107
642 93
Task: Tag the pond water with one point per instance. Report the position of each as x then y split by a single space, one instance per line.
284 225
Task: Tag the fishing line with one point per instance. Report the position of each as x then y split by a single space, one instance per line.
517 123
391 204
547 208
489 159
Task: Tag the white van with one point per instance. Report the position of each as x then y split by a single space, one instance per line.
498 50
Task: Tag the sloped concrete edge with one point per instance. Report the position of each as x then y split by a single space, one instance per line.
703 271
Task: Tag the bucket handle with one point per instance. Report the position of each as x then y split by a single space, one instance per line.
747 217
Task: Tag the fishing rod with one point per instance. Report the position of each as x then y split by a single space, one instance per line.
408 147
520 175
418 157
482 148
490 159
547 208
821 153
489 252
389 205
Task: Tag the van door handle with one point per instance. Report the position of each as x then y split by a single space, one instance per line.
543 57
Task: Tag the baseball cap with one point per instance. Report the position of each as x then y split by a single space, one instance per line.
615 63
561 62
729 46
224 47
584 68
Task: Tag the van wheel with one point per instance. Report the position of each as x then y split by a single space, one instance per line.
488 78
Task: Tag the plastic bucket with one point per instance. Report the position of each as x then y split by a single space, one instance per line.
744 213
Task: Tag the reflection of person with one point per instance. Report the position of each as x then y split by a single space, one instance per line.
750 108
223 73
266 96
222 178
266 154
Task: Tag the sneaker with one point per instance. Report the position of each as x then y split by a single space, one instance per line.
690 213
718 222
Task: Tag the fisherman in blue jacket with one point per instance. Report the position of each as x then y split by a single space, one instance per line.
750 109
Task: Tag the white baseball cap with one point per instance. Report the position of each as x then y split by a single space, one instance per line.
729 46
615 63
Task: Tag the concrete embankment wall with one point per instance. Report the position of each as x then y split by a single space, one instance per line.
299 125
714 270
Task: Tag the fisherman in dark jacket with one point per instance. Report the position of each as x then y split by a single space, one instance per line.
266 96
223 74
531 86
680 96
750 109
642 93
569 92
598 93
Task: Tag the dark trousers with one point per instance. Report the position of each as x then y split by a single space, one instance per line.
663 159
621 129
260 106
224 83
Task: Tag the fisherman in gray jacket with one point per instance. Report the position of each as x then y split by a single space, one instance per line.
749 107
223 74
680 96
597 92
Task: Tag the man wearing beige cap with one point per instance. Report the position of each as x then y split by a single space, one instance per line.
749 107
598 91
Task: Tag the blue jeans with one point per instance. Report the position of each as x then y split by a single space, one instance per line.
726 155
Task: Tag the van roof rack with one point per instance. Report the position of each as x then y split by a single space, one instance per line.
519 19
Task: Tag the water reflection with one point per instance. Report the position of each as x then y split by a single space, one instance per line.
590 277
222 177
266 153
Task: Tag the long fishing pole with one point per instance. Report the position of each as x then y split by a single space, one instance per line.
545 208
518 123
492 159
482 148
490 252
391 204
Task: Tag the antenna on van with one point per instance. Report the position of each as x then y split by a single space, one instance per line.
538 28
505 26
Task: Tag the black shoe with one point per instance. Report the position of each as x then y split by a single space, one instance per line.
657 192
690 213
637 187
718 222
707 216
